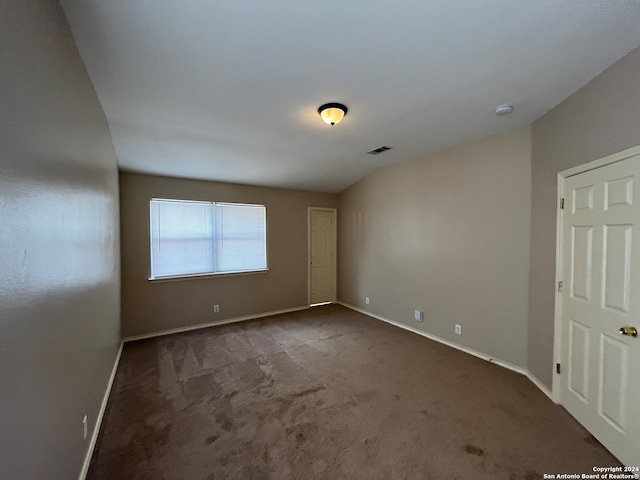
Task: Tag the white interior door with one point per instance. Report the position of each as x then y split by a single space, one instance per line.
322 252
600 377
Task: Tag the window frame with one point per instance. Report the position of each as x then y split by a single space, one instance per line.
191 276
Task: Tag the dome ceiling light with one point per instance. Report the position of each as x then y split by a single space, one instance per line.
332 113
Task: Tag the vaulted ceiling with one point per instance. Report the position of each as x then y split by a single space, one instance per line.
229 90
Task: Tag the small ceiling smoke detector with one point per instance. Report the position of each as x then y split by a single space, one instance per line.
505 109
378 150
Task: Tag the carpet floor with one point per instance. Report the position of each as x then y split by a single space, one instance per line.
328 393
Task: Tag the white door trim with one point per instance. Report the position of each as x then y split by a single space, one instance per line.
334 251
557 340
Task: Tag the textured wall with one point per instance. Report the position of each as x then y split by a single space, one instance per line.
160 305
59 266
449 235
600 119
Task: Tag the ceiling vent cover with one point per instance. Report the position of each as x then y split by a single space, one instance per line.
378 150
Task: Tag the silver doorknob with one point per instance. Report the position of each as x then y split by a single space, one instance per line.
631 331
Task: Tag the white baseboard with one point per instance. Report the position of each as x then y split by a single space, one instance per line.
98 424
541 386
212 324
502 363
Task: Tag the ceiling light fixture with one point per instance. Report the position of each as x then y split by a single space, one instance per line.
332 113
505 109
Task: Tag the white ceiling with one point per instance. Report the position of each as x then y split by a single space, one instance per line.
229 90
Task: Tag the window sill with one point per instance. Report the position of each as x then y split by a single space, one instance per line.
176 278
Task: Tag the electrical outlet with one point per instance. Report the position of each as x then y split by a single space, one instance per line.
366 300
85 427
458 329
216 309
417 314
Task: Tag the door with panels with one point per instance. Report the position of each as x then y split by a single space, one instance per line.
600 309
322 251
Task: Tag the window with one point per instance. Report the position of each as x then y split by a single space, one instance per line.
197 238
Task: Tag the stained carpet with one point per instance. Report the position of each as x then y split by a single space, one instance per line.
332 394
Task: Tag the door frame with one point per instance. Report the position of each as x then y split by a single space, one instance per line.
334 251
557 335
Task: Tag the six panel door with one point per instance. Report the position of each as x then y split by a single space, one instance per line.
321 256
600 383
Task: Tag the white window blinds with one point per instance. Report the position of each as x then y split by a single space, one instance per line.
190 238
240 237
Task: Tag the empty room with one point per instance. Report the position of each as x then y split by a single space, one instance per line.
319 240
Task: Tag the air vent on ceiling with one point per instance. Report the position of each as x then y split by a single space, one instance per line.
378 150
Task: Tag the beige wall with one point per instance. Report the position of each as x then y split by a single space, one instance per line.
59 265
449 235
162 305
600 119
